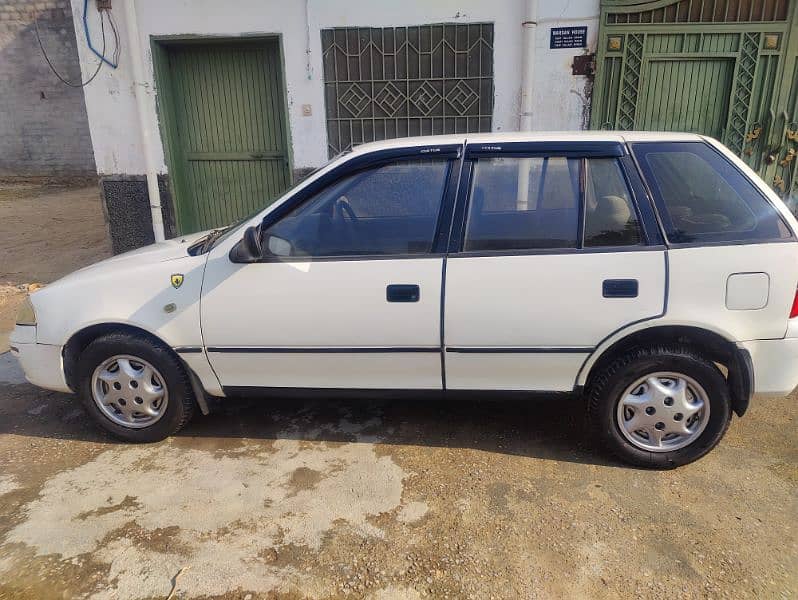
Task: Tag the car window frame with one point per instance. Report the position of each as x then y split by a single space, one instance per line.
648 226
650 234
663 216
450 153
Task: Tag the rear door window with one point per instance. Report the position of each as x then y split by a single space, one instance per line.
523 204
702 197
538 203
610 217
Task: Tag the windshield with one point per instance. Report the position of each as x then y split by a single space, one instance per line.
226 232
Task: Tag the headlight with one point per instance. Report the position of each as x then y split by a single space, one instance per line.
26 314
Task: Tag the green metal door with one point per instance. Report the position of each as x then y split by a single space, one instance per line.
700 104
226 134
724 68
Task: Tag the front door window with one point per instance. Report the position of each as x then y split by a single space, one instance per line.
390 210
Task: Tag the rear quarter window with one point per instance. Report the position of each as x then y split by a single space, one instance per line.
702 197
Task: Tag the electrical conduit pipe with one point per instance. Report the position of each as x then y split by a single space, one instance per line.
146 128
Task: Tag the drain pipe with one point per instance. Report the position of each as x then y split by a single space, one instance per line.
530 26
140 87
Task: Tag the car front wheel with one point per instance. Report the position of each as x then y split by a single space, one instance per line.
659 407
134 388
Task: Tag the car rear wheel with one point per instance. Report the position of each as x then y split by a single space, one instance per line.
135 388
659 407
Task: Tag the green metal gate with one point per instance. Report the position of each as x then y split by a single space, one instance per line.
724 68
223 111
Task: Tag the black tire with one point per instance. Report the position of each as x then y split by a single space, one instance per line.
179 408
608 385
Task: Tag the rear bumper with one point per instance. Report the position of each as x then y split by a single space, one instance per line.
775 365
43 364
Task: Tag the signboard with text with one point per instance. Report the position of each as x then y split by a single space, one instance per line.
568 37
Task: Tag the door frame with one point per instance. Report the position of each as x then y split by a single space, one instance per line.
450 152
563 363
165 109
617 150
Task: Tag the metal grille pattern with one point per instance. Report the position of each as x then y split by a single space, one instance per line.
724 68
707 11
631 81
741 102
403 81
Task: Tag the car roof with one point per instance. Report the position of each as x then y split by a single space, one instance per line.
528 136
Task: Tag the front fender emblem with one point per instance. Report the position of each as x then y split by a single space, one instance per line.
177 280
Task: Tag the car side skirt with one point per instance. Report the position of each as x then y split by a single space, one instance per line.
386 394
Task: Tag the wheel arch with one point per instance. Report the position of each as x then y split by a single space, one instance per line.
83 337
716 346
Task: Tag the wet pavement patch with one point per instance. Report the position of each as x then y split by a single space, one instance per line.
147 511
304 479
10 371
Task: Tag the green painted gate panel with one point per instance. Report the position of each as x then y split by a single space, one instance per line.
228 138
724 68
700 104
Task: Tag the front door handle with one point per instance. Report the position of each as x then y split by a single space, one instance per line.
620 288
402 293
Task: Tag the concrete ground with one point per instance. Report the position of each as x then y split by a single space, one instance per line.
382 500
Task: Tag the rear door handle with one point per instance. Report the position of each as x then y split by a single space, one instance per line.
620 288
399 292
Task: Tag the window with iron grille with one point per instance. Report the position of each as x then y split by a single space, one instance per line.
404 81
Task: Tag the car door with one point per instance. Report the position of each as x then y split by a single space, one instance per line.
348 293
552 251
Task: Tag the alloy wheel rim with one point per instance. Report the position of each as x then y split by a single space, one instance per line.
129 391
663 412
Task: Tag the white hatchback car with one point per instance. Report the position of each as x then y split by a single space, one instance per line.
654 273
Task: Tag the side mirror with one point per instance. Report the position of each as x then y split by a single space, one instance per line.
249 249
278 246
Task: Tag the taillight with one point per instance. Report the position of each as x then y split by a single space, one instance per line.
794 309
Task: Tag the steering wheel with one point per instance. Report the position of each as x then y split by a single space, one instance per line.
342 206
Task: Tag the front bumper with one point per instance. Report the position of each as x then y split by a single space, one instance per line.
775 365
43 364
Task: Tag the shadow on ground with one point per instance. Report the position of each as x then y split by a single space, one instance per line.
547 427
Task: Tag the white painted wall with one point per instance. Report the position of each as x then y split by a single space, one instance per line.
559 97
112 109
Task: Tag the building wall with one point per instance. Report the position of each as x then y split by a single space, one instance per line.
560 97
43 125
